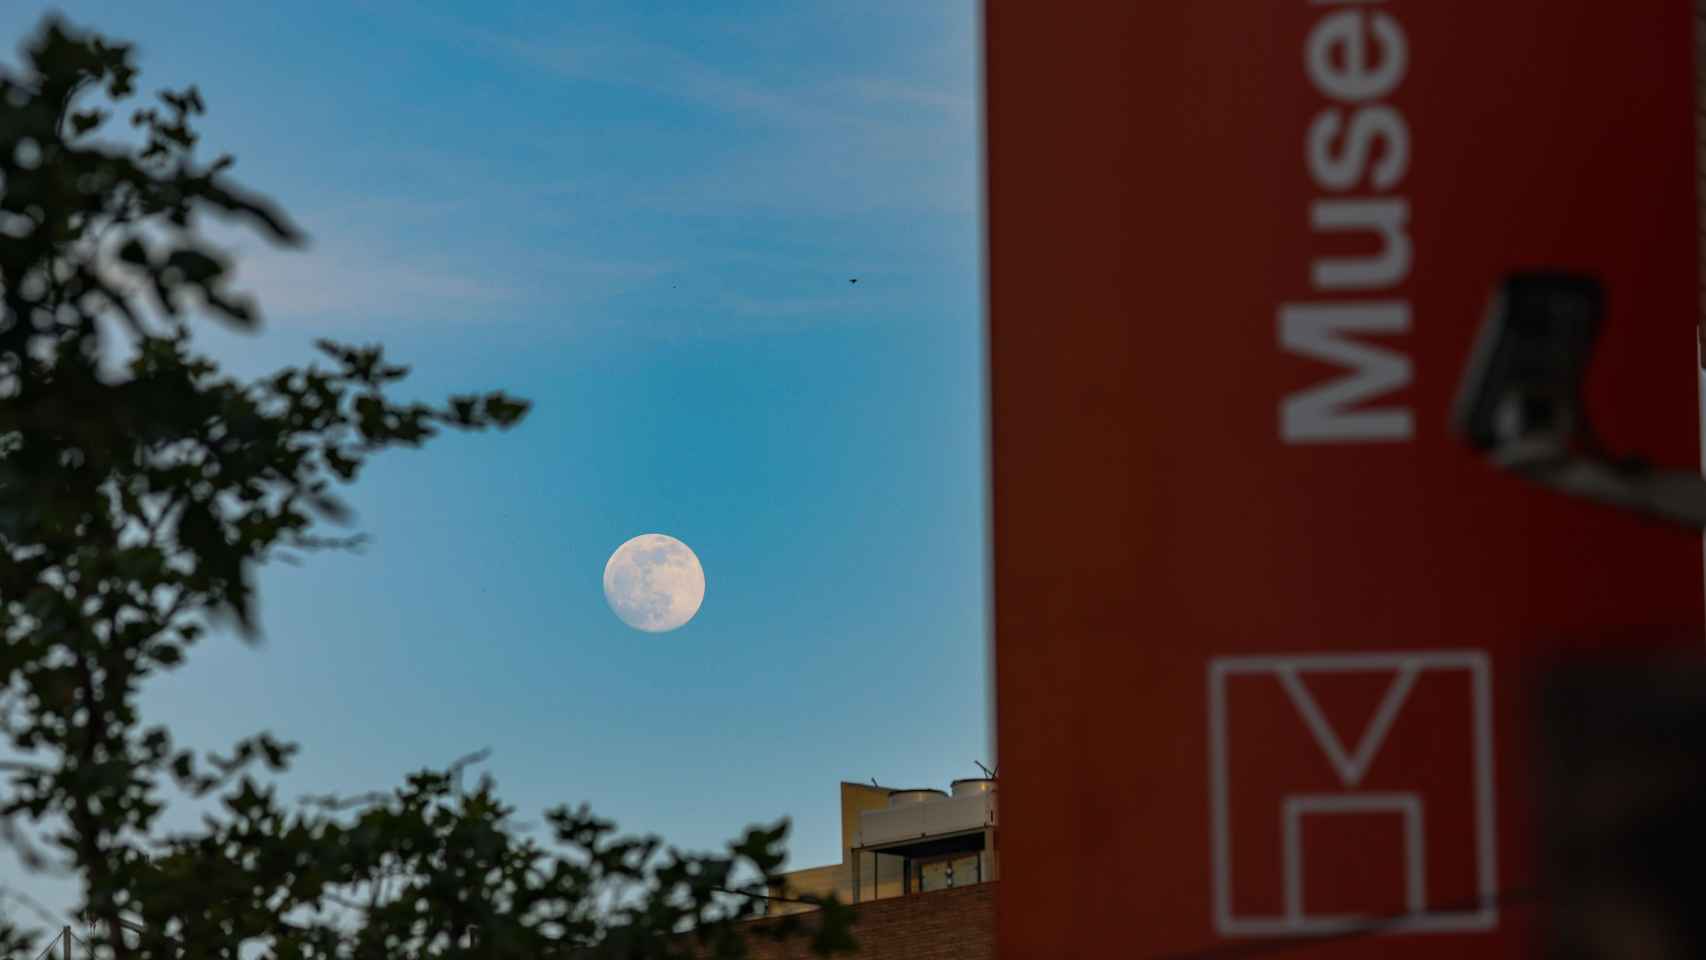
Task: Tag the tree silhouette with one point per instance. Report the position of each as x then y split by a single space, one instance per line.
135 507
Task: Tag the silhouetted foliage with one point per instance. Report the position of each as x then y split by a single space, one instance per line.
135 507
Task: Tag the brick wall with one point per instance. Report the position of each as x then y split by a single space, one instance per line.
956 924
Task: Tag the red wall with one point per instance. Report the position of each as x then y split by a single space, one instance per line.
1151 193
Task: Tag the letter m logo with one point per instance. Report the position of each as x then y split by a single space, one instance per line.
1339 410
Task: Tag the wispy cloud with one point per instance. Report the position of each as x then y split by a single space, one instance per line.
343 280
365 263
810 145
383 263
954 104
613 58
625 176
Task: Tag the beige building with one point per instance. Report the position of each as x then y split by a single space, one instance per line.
897 842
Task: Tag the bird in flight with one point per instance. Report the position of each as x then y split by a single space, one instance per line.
854 280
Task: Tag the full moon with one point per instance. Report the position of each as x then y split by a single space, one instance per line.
654 583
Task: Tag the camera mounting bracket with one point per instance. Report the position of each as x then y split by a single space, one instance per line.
1521 402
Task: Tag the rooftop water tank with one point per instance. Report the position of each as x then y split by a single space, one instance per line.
972 786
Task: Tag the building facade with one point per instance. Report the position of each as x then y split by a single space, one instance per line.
899 842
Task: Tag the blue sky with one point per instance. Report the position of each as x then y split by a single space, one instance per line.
644 219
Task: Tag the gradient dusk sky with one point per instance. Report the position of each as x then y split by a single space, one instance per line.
644 218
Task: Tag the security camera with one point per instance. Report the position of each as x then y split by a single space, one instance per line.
1523 386
1520 402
